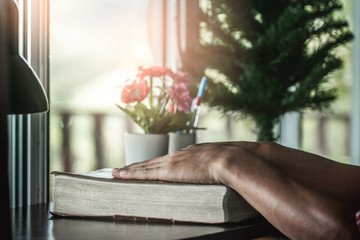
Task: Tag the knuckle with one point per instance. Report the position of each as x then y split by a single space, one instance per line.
191 146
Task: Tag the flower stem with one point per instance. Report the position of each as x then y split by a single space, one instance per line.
151 93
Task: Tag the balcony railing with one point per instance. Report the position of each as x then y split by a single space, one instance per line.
95 140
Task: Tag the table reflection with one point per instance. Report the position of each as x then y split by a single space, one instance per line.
35 222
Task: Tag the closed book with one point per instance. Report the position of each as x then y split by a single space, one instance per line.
98 194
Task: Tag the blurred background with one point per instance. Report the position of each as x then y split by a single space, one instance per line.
96 45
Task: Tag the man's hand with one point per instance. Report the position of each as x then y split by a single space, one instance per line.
202 163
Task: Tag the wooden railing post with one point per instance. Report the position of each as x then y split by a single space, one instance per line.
98 136
66 141
322 135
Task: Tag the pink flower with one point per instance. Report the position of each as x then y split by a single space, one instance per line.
135 92
180 93
180 77
155 71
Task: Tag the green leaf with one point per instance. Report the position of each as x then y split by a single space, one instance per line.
159 126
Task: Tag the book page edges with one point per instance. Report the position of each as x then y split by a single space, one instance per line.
227 200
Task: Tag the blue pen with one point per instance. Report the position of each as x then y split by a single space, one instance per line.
197 101
201 91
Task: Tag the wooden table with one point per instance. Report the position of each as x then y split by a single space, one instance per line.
35 222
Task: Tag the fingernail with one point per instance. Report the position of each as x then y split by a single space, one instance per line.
122 172
115 171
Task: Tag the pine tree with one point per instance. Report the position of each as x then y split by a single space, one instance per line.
266 58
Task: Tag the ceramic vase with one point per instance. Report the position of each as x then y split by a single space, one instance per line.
179 141
141 147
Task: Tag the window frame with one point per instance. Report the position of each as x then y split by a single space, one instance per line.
355 112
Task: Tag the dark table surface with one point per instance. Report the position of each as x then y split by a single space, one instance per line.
35 222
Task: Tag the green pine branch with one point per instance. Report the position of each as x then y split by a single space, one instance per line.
266 58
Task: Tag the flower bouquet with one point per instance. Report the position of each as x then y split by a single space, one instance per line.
158 100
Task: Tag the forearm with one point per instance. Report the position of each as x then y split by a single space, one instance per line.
294 209
329 177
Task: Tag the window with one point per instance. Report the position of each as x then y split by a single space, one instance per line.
96 46
79 110
94 49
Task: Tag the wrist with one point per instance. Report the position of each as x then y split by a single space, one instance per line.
229 166
240 169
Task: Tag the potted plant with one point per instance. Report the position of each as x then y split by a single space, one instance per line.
266 58
158 101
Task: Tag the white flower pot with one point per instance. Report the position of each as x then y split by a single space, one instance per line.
180 140
141 147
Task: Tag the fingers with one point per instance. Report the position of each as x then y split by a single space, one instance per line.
145 173
140 170
146 164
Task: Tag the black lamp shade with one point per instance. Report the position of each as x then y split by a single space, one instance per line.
25 90
26 94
